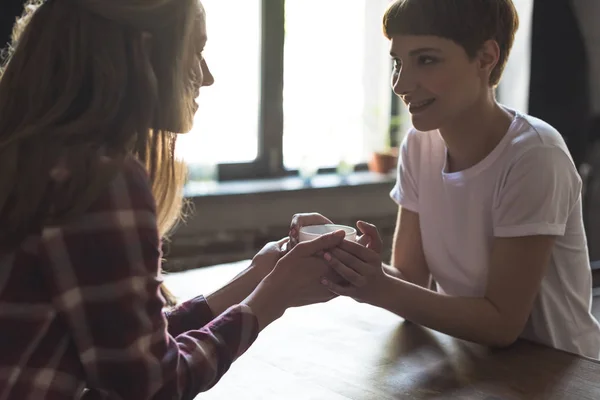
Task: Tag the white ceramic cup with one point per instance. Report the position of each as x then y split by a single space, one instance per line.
314 231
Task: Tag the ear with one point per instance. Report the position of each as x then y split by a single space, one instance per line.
488 57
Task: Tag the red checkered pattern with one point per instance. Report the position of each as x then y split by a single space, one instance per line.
81 315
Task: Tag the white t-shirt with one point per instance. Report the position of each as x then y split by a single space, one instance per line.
528 185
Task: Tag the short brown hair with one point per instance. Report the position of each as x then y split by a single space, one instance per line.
470 23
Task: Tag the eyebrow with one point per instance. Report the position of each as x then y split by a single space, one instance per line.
418 51
421 50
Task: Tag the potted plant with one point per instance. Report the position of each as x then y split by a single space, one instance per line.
386 160
382 162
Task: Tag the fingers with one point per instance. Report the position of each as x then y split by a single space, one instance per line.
349 261
304 219
282 245
348 273
294 236
330 297
376 244
321 243
322 295
359 251
281 242
294 231
338 289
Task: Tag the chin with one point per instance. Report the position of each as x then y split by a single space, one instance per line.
184 126
424 124
178 129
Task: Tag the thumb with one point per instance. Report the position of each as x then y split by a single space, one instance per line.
281 242
283 245
375 242
323 242
364 240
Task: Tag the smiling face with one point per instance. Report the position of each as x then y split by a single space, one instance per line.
176 51
201 75
449 55
436 78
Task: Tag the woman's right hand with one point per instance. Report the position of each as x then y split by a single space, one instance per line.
300 272
296 280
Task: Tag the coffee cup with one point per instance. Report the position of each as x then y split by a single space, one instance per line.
314 231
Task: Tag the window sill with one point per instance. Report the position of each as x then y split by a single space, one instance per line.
232 220
285 184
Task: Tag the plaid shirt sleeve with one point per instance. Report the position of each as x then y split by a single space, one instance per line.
188 316
103 273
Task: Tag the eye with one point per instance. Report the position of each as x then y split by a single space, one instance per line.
397 64
427 60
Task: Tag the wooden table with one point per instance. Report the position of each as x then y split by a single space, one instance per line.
344 350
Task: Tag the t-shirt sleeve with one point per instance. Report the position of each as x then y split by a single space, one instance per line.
405 192
537 194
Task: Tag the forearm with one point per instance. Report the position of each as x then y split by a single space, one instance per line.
201 310
234 292
472 319
267 303
392 271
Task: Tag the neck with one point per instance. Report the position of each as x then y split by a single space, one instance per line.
473 134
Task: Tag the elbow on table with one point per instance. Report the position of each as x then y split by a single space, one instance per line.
503 337
504 342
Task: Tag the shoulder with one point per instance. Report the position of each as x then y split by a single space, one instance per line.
127 187
534 139
135 179
537 160
114 190
534 148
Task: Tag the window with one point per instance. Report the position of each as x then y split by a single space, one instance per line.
336 99
296 81
226 125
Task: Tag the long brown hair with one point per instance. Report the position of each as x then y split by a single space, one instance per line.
80 79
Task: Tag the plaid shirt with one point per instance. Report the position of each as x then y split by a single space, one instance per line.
81 316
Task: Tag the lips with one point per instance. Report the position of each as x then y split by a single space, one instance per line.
417 107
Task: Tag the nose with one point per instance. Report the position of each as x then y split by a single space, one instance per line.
207 77
403 82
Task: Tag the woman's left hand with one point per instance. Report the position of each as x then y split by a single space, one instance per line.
359 265
264 261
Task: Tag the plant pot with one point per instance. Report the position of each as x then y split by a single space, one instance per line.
383 163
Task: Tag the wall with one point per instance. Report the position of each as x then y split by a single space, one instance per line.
9 11
588 13
228 226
